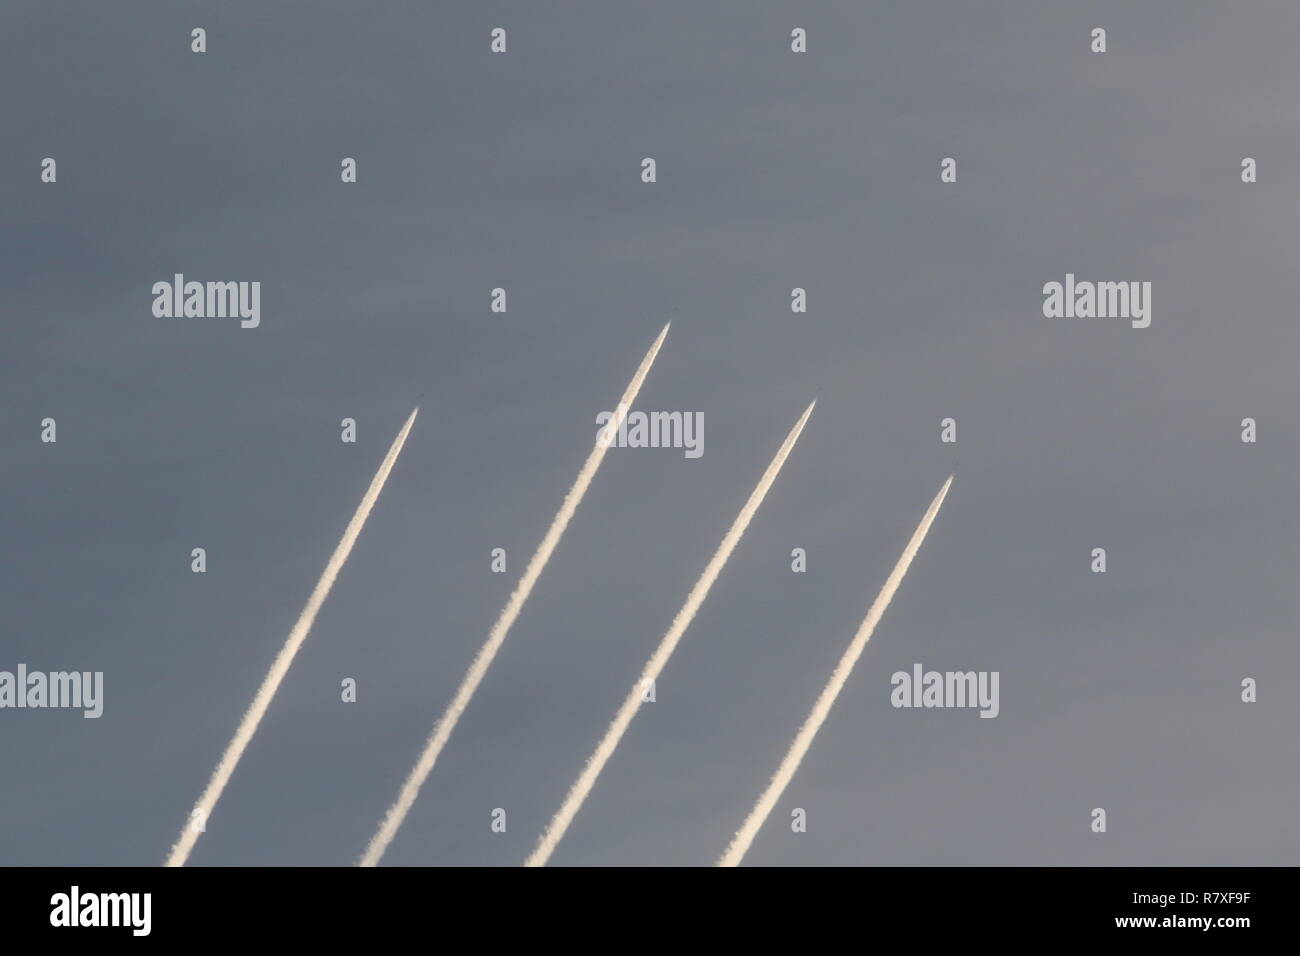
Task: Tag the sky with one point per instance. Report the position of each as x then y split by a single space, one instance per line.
775 170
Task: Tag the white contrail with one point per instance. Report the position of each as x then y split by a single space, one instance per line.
749 829
180 852
554 832
483 659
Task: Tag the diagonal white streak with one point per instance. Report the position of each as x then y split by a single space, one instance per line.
740 843
554 832
180 851
483 659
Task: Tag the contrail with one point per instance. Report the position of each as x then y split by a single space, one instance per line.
554 832
483 659
180 851
749 829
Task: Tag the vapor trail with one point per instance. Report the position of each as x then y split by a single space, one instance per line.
554 832
180 851
483 659
749 829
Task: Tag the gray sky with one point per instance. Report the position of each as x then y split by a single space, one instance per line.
775 170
